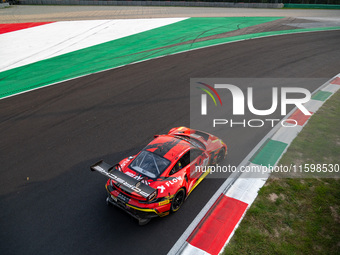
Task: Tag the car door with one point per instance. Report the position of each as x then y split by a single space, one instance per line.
189 166
198 160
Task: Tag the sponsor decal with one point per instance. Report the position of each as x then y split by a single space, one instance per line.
165 202
121 181
161 188
138 178
124 163
168 184
123 198
173 181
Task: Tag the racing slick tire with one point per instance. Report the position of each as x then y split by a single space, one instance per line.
220 156
142 222
107 201
178 200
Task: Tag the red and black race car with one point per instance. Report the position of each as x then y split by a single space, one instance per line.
158 179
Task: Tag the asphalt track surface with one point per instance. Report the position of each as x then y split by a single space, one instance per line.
50 201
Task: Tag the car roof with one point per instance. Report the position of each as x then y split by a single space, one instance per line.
168 146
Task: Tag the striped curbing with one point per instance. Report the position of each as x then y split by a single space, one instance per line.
216 228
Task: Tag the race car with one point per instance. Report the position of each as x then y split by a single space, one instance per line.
157 180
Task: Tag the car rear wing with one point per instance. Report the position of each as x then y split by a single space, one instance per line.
126 183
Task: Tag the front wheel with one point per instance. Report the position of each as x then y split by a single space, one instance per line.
178 200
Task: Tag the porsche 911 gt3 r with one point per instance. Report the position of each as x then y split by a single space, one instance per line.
159 178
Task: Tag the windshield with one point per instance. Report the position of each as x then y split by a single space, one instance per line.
149 164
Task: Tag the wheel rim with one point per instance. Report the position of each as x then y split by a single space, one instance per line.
178 200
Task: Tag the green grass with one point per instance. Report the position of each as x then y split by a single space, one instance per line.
298 216
319 141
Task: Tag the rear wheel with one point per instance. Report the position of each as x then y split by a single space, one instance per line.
142 222
108 201
220 156
178 200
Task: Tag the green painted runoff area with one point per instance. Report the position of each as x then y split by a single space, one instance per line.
139 47
118 52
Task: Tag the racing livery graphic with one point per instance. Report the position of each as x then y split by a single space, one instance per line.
159 178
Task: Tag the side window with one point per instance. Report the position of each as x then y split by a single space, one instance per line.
185 160
194 153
